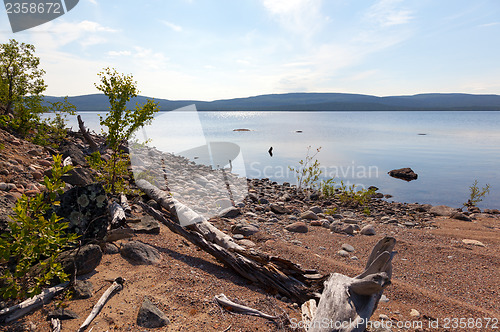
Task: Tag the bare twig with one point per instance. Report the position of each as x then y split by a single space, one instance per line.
227 304
116 286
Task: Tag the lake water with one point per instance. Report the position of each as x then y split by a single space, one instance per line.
448 150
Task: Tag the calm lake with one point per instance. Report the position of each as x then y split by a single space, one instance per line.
448 150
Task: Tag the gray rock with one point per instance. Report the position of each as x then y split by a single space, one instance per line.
350 221
79 176
348 229
111 249
140 253
245 230
150 316
368 230
343 253
279 209
262 200
87 259
247 243
442 210
147 225
459 216
297 227
347 247
230 212
223 203
76 154
316 209
62 314
309 215
406 174
238 236
83 289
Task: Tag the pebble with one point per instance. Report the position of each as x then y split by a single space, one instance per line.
354 258
351 221
44 162
368 230
474 242
414 313
347 247
297 227
383 317
343 253
316 222
309 215
384 299
316 209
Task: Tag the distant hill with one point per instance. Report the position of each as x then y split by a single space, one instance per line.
311 102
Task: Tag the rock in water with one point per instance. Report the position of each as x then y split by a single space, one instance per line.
150 316
406 174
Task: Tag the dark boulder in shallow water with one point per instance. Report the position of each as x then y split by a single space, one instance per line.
406 174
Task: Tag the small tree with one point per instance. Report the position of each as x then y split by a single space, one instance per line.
121 122
19 74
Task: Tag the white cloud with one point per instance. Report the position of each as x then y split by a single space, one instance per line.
53 35
172 26
388 13
299 16
492 24
94 2
119 53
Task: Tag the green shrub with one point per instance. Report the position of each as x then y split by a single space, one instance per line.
35 237
120 122
328 188
476 195
308 171
112 173
348 195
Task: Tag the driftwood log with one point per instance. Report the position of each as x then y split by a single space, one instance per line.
343 299
348 303
115 287
56 324
86 135
117 214
12 313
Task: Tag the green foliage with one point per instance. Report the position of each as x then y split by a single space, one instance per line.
20 76
120 122
348 195
35 237
308 171
112 172
476 195
328 188
331 211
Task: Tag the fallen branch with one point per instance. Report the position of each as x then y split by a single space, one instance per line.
117 214
86 135
273 273
348 303
10 314
244 310
56 324
124 203
115 287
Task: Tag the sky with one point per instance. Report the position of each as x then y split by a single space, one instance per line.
221 49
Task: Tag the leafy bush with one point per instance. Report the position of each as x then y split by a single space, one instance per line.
120 122
350 196
328 188
112 172
35 237
476 195
308 172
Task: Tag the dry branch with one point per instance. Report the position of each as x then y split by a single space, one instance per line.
56 324
244 310
86 135
115 287
10 314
